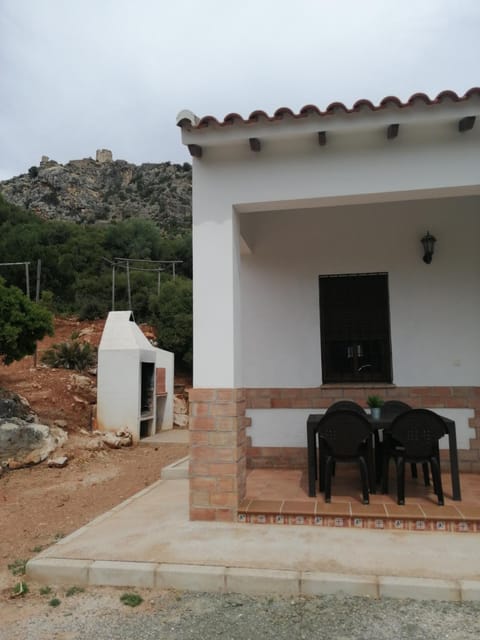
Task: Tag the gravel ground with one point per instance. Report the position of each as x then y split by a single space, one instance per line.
98 614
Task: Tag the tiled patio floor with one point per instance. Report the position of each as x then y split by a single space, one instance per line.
281 497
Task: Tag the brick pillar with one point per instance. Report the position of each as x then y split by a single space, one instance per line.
218 448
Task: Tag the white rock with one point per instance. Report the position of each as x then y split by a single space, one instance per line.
58 463
180 420
180 405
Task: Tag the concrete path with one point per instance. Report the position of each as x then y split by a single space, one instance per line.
148 541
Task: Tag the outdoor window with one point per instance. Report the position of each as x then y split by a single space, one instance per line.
355 328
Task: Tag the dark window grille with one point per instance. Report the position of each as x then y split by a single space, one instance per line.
355 328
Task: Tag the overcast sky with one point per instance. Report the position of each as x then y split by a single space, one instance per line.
78 75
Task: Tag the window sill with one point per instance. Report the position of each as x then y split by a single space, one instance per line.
358 385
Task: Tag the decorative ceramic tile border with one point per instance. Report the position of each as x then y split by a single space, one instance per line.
396 524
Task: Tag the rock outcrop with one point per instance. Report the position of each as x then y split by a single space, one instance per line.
23 441
26 443
89 191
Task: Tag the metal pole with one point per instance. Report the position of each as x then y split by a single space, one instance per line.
37 288
158 283
128 285
113 288
173 271
27 277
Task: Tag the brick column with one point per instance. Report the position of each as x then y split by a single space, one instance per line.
218 448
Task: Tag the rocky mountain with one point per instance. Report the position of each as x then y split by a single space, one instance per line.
90 191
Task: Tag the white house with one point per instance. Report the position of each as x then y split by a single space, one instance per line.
309 278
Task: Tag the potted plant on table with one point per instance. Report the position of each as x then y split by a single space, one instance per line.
375 403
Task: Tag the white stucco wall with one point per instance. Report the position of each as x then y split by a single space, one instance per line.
164 409
118 384
287 427
435 309
256 320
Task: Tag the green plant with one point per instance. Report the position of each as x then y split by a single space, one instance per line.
131 599
91 310
70 355
18 567
22 323
73 591
45 591
20 589
54 602
374 402
58 536
37 548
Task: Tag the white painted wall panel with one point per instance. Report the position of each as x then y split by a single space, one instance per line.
257 325
287 427
434 308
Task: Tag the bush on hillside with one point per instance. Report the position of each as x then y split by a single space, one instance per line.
22 324
71 355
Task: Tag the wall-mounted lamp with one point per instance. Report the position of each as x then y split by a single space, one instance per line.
428 242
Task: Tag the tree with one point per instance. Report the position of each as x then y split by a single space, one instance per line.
22 324
172 319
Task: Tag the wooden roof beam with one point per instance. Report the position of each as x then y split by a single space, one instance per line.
392 131
255 144
195 150
465 124
322 138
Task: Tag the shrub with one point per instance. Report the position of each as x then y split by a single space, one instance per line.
20 589
73 591
131 599
71 355
18 567
91 310
22 323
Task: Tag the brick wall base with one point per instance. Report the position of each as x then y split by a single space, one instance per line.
437 398
218 453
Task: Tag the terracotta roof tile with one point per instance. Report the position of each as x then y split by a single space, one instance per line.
335 107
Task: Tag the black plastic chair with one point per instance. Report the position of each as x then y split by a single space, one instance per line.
345 436
391 409
414 437
348 405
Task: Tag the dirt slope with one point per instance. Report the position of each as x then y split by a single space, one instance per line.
39 504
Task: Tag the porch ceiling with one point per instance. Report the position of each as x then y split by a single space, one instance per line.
356 199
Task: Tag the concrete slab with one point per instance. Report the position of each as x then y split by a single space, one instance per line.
176 470
122 574
60 571
190 577
419 588
153 527
262 581
321 584
470 590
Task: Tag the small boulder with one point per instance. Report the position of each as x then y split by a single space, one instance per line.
180 420
81 382
25 443
58 463
118 439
